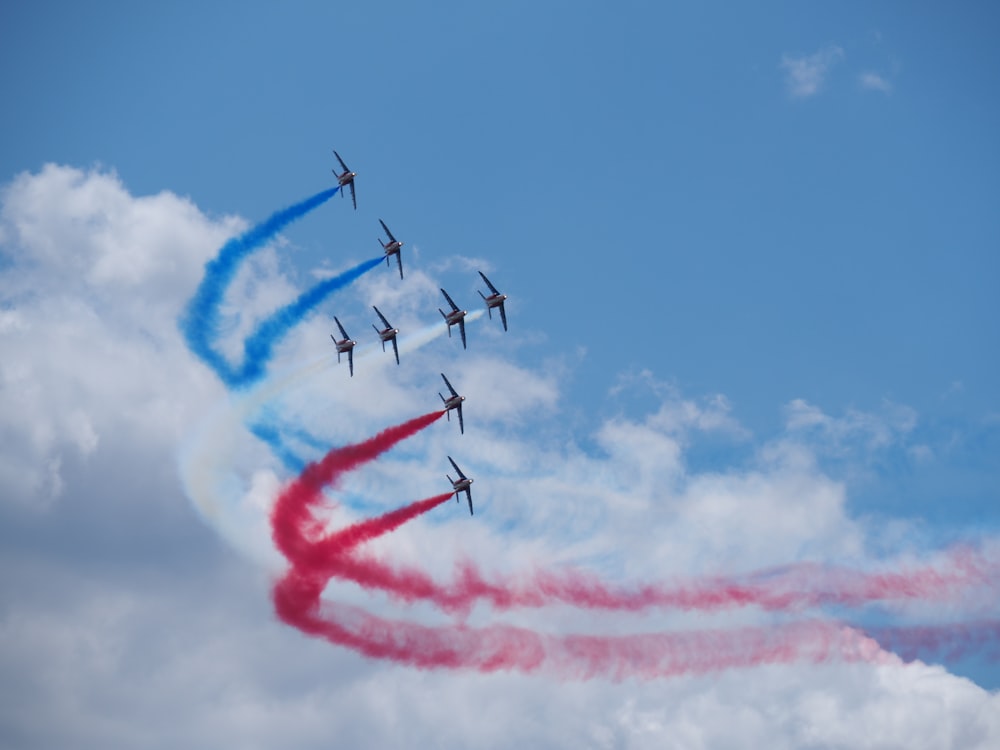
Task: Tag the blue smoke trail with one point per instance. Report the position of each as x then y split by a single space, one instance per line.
272 436
200 321
258 347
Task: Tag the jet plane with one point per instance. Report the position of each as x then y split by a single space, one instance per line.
462 484
346 178
344 345
392 247
453 317
453 402
387 334
494 300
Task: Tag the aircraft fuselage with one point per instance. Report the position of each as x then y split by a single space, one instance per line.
388 334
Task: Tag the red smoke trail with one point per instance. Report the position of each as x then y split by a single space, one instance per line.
292 520
316 557
297 601
797 588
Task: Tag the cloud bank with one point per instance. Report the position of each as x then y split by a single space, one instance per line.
110 579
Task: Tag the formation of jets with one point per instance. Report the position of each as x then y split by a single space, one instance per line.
386 333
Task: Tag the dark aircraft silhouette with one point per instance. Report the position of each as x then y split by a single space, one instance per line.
453 402
392 247
453 317
346 178
388 333
495 299
344 345
462 484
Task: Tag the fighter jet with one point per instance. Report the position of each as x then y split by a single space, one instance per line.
453 317
344 345
462 484
346 178
494 300
387 334
453 402
392 247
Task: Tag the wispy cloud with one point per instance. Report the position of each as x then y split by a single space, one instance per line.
874 82
805 75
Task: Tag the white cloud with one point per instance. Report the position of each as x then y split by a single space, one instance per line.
805 75
874 82
116 583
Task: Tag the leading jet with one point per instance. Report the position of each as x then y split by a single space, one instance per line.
388 333
453 402
346 178
344 345
460 485
453 317
495 299
392 247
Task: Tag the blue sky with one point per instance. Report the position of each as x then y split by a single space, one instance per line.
788 205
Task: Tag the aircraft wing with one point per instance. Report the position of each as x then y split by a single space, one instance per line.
399 260
461 329
395 349
451 302
381 317
350 360
342 331
461 422
387 230
468 494
354 198
450 388
503 316
456 468
341 161
492 288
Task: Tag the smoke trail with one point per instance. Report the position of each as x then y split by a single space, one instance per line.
272 436
297 602
292 520
258 347
799 588
317 556
199 323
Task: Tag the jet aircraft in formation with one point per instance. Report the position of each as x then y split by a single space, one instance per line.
387 333
453 317
460 485
344 345
495 299
392 247
454 401
346 178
